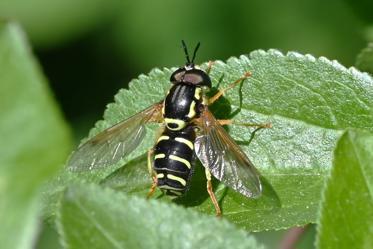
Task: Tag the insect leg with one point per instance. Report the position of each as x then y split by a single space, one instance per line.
230 86
153 187
232 122
150 162
211 193
152 173
209 66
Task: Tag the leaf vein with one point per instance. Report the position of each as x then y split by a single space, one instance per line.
360 168
115 243
332 115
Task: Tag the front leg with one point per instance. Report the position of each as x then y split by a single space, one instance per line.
209 67
221 92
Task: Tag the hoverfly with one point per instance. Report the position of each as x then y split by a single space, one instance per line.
189 129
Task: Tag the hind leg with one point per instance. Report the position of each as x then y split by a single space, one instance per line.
232 122
211 193
152 173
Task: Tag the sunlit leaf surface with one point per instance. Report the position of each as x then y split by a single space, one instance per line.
346 216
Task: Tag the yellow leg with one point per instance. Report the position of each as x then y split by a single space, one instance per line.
209 66
153 187
211 193
150 162
152 173
232 122
230 86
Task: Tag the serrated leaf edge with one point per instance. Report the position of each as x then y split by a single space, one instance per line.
102 124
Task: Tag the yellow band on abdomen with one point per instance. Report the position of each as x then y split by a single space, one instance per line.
185 141
179 159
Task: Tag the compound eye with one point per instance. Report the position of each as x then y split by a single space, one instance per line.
178 75
193 78
197 77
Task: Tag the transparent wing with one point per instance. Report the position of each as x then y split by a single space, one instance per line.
225 159
114 143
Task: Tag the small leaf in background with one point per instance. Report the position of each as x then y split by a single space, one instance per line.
34 139
346 216
309 102
92 217
364 60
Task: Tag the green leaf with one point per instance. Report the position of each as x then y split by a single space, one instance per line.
346 216
364 60
92 217
309 102
48 237
34 138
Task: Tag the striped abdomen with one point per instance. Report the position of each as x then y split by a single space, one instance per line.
173 157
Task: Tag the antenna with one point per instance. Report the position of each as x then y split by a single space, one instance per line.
195 51
186 51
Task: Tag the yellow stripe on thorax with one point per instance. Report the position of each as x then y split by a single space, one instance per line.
197 93
192 110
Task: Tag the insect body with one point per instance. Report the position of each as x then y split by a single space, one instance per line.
174 151
189 130
173 160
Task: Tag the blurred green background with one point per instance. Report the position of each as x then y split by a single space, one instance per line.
89 49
